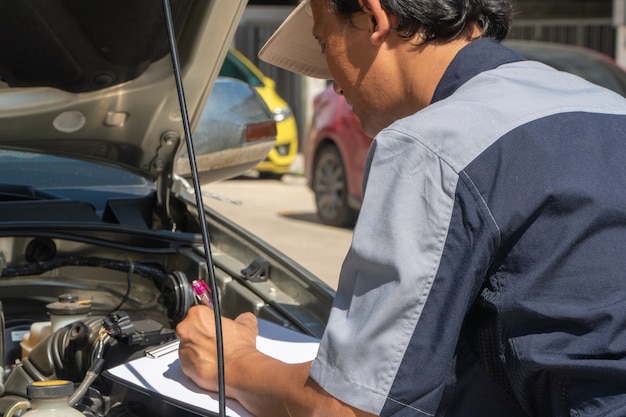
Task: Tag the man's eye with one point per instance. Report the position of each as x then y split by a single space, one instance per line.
323 46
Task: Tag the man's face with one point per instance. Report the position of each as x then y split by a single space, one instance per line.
337 38
360 73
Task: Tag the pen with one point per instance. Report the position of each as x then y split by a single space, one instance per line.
203 292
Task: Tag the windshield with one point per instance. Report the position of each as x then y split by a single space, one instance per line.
31 176
52 172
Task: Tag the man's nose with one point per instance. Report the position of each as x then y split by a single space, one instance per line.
337 88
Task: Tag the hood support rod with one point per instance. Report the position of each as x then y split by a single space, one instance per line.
201 213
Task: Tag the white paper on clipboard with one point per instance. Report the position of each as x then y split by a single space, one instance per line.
162 375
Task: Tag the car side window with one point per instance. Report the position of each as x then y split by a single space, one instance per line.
234 68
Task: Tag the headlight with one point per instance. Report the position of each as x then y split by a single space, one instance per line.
283 150
282 113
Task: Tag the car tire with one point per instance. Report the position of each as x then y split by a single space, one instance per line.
331 190
264 175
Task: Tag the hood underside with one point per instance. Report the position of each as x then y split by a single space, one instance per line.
94 80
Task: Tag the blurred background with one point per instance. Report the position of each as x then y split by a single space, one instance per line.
595 24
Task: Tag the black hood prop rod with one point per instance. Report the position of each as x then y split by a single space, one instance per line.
201 212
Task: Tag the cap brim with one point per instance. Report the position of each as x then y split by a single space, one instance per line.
293 46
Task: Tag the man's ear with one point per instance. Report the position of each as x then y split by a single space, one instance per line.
380 21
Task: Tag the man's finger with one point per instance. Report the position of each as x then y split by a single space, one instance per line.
247 319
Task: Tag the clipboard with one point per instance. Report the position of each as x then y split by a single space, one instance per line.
158 374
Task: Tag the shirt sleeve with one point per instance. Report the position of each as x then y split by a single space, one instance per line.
417 259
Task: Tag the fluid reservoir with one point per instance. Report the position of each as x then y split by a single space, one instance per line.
66 310
51 399
38 332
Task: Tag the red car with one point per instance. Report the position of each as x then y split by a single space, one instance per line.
335 147
335 155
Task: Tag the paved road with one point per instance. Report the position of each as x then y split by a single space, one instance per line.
282 212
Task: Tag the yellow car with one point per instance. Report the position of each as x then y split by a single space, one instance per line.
280 158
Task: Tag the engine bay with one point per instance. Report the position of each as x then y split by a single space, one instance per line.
72 307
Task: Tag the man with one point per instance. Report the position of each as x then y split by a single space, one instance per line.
487 273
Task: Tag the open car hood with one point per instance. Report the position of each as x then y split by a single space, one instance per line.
94 80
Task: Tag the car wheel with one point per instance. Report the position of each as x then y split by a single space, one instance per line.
265 175
331 189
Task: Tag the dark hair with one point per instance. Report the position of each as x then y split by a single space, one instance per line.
441 19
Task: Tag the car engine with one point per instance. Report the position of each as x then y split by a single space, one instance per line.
80 297
72 307
68 314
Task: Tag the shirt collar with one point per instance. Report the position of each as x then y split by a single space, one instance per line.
476 57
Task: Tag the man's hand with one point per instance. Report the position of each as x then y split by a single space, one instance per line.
198 349
265 386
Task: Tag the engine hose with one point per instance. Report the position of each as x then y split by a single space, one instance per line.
32 370
91 375
56 347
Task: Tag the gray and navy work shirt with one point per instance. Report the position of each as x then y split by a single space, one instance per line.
487 272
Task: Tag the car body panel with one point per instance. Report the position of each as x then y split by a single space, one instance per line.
280 158
333 121
235 131
335 127
53 120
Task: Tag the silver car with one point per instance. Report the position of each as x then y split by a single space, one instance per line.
101 234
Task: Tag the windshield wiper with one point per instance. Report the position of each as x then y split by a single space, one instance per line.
12 192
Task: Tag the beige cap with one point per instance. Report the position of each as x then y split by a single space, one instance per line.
293 46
